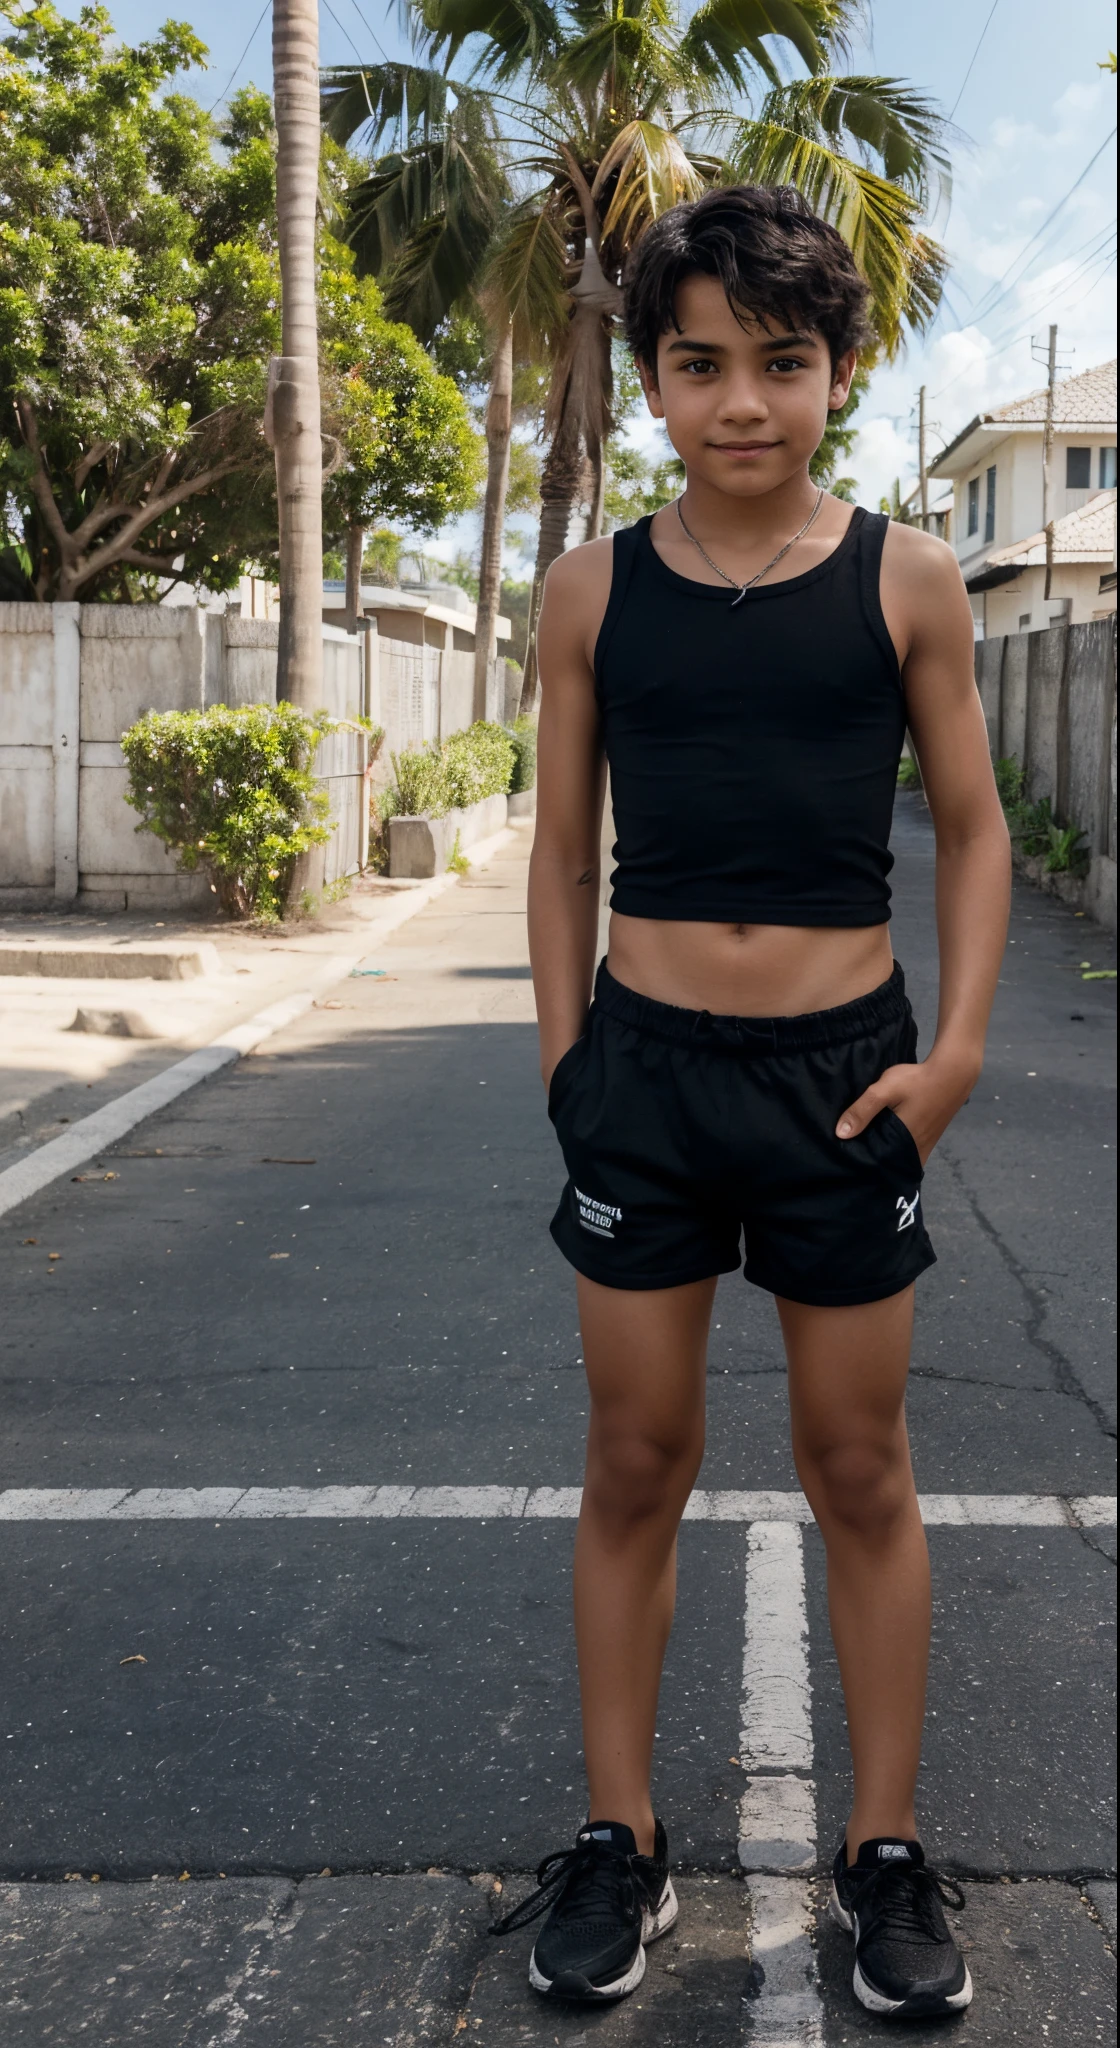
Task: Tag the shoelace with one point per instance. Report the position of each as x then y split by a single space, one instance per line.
901 1898
597 1872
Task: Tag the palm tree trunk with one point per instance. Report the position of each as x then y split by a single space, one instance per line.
579 409
499 423
294 378
560 480
597 485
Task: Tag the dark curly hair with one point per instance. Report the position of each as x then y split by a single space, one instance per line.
775 258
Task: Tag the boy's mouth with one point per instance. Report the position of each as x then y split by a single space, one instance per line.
742 447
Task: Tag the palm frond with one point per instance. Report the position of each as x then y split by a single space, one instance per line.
379 97
529 269
422 221
879 221
622 56
885 119
653 173
724 41
517 33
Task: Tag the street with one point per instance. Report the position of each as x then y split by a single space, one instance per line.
298 1737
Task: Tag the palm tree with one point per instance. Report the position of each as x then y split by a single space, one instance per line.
423 222
292 418
613 110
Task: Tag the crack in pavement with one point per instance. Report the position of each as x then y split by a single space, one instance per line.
1065 1376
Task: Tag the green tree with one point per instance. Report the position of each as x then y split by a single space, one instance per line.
139 308
611 114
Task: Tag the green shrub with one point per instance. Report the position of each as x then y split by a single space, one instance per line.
478 763
523 738
422 786
231 791
1010 780
908 776
1033 827
433 780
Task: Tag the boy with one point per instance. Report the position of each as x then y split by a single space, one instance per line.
747 664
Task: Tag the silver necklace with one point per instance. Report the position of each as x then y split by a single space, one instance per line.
743 588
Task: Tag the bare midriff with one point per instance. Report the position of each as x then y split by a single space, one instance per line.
748 970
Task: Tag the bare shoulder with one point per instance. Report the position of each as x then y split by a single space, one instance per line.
925 603
919 559
577 590
583 573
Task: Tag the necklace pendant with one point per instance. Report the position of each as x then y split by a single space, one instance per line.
741 596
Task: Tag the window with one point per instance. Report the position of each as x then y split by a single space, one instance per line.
1107 471
974 504
1079 468
990 504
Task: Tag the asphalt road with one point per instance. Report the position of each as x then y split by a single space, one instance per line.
330 1266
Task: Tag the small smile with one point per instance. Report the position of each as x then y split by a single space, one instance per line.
742 447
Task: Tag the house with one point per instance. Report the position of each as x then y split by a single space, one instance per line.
1083 577
423 614
995 466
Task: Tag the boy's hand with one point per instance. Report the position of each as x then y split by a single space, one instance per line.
925 1097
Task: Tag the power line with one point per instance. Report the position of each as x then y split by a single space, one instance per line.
982 311
245 52
1022 333
345 31
369 31
971 61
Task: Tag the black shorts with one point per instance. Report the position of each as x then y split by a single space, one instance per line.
683 1133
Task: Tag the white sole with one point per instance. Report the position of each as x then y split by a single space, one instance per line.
654 1925
955 2001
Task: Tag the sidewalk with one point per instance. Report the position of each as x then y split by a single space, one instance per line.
305 1435
52 1073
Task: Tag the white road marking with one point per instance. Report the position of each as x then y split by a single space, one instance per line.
789 2012
777 1733
504 1503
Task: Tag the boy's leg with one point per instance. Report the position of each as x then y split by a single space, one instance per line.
847 1376
645 1354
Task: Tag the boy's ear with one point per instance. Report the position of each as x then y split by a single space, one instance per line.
843 372
648 377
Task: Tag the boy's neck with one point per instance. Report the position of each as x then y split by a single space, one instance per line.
715 514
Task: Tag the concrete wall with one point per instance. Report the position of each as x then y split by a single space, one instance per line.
1049 699
72 679
426 693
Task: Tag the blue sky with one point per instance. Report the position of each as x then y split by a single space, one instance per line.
1032 113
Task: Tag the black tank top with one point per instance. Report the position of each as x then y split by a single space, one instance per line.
753 751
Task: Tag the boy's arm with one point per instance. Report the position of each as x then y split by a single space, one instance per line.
571 779
928 613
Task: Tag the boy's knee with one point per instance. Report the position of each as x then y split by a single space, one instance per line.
633 1474
863 1484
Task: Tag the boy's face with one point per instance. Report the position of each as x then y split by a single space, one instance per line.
744 407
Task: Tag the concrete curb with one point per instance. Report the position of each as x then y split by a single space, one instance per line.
169 961
112 1122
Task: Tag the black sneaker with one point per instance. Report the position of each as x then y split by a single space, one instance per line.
606 1901
908 1966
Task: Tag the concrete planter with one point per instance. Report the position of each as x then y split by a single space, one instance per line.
421 847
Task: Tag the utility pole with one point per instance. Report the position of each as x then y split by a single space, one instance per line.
923 476
1048 457
292 412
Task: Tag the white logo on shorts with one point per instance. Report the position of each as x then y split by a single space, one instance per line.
600 1217
907 1208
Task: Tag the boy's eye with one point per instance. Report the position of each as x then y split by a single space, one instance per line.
700 363
787 363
